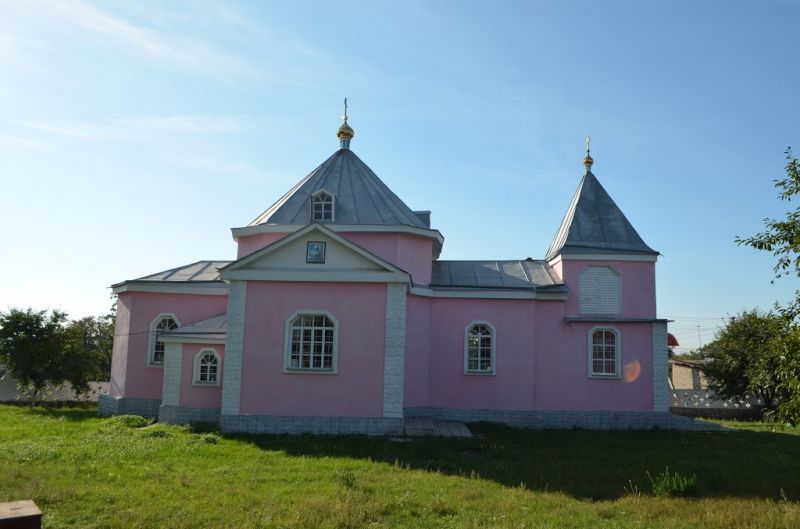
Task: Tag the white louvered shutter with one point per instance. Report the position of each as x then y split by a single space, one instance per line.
600 291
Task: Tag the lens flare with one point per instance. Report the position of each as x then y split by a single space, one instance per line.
631 371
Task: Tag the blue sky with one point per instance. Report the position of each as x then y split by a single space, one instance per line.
135 134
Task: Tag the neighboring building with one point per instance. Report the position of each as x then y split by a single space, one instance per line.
684 374
337 316
691 395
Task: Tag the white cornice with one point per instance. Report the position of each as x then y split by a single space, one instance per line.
487 294
602 257
188 338
368 228
328 276
173 287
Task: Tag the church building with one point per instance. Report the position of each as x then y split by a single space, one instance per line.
338 317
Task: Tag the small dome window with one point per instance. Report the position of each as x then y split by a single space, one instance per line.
322 207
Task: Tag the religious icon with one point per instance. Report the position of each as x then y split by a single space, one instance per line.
315 252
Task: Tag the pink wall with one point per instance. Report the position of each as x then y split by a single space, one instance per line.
355 390
252 243
199 396
562 381
418 350
408 252
541 359
638 285
511 387
143 381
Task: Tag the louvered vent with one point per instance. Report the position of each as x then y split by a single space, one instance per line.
600 291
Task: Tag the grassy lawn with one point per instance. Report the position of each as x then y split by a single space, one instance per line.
86 472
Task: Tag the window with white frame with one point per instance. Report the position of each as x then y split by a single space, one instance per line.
322 207
206 367
604 349
311 342
479 348
159 326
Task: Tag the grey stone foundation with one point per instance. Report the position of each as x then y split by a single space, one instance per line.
374 426
552 420
110 405
184 415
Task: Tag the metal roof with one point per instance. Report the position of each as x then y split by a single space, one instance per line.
214 325
199 271
595 224
360 197
493 274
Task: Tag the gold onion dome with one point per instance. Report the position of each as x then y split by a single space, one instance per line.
345 132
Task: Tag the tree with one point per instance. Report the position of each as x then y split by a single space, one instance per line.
744 357
88 343
782 237
32 348
42 349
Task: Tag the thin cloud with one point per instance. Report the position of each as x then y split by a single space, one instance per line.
136 128
187 52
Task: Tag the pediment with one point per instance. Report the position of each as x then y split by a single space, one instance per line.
313 253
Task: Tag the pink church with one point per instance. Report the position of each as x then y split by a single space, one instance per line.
337 317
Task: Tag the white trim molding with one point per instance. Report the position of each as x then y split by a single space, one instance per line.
171 388
287 345
196 367
660 367
394 356
151 342
467 330
244 231
487 293
234 349
617 353
204 288
649 258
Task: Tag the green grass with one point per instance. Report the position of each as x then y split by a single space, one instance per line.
86 472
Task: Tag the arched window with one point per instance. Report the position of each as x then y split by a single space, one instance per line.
322 207
163 323
479 348
311 342
206 367
604 351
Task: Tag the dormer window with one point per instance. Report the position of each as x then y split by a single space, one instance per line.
322 207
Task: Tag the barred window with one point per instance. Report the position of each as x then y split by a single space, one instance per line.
312 343
322 207
479 349
160 325
604 353
206 367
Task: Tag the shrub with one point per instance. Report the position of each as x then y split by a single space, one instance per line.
673 484
131 421
346 478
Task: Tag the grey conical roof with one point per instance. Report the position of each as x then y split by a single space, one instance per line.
360 196
595 224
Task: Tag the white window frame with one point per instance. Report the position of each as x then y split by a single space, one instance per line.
151 344
314 197
196 367
467 329
287 345
617 353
